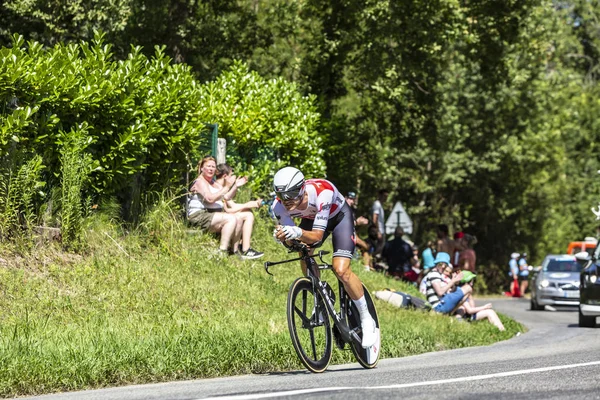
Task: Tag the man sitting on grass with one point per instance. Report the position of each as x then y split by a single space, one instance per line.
444 298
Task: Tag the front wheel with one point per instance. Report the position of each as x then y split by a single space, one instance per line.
368 357
309 327
534 305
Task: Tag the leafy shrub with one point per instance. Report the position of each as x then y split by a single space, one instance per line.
142 120
268 123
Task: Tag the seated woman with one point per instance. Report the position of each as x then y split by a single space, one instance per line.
243 213
205 207
445 296
473 313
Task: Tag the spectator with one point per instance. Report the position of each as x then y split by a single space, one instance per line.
398 255
444 243
514 275
205 207
378 218
523 273
471 312
243 213
444 297
458 236
428 256
468 259
415 266
364 247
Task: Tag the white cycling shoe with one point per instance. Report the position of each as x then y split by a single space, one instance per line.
370 332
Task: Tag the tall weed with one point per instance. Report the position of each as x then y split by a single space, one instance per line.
75 170
20 184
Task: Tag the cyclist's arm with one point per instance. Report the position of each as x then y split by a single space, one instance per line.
310 237
325 201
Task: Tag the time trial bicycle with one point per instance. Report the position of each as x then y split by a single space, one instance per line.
311 305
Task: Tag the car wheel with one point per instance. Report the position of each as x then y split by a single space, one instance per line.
586 322
534 305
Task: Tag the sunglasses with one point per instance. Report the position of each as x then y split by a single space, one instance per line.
290 194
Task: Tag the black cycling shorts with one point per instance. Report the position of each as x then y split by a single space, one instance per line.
342 227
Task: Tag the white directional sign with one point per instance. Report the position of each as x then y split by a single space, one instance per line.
398 217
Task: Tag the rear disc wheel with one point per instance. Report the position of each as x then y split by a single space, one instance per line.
368 357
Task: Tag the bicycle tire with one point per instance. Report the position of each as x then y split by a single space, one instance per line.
312 342
368 358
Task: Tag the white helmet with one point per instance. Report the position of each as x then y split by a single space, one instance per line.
288 183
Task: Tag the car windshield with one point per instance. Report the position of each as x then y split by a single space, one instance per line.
563 266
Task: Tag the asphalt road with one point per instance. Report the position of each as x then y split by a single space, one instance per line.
555 359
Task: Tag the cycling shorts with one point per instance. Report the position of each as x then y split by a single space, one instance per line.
342 229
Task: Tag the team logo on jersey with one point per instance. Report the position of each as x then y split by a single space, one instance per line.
325 207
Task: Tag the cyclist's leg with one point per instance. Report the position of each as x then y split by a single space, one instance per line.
343 248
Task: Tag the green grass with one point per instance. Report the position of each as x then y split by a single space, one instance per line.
161 306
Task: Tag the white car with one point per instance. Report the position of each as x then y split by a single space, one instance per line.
556 282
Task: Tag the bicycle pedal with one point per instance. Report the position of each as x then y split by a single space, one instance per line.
337 336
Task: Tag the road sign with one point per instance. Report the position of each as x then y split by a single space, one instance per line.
398 217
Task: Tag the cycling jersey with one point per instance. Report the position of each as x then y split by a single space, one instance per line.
326 211
324 203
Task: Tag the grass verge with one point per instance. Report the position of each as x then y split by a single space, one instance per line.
158 304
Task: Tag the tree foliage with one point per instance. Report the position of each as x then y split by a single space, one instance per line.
478 114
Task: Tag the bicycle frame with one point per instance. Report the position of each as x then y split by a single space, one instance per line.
312 272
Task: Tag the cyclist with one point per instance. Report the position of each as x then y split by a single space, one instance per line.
322 210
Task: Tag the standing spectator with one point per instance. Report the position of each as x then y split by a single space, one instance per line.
378 218
458 236
205 207
398 255
243 213
365 248
444 243
468 259
514 275
523 273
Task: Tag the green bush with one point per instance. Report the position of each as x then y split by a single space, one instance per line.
143 119
268 123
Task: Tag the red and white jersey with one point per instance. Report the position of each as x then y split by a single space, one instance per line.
324 203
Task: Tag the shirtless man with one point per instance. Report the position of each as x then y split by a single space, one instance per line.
444 244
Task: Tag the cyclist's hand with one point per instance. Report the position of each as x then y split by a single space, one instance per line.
275 235
288 232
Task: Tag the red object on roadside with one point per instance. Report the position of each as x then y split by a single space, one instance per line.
516 291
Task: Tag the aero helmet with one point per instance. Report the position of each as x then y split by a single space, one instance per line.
288 183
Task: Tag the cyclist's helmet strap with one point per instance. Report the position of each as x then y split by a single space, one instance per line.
288 183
